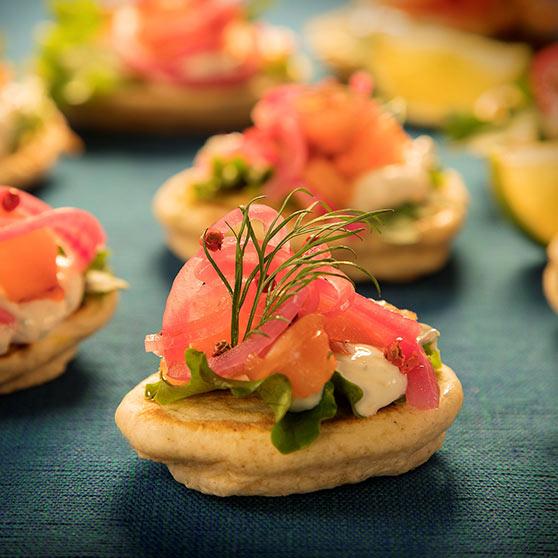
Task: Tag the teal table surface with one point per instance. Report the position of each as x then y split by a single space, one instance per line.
71 486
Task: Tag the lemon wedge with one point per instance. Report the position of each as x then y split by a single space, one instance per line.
437 70
525 181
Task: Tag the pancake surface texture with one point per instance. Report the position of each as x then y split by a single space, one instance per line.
220 445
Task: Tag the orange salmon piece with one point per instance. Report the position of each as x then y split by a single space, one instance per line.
302 354
28 267
329 116
379 142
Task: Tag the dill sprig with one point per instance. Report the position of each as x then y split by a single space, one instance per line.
303 266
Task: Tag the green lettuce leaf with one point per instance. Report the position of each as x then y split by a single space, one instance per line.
347 390
70 60
298 430
275 390
100 261
462 125
407 211
256 8
281 69
434 356
437 177
523 83
229 176
99 278
26 125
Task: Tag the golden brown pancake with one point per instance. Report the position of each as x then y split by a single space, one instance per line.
165 108
24 366
405 259
220 445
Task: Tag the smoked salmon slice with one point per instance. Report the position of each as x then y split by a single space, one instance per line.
302 354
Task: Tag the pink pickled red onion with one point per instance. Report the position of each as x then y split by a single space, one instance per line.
422 391
259 147
274 104
378 324
275 115
361 83
153 343
6 318
333 292
257 212
232 362
366 321
184 305
78 231
198 310
225 258
289 170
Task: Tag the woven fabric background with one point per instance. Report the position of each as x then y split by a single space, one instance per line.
71 486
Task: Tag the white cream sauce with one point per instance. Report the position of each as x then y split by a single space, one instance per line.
36 318
305 403
380 381
393 185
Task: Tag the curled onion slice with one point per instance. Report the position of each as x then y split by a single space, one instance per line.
275 115
232 362
79 233
198 309
366 321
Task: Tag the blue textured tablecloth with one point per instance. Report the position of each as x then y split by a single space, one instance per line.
71 486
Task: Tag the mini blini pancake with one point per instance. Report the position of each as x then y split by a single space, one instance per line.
166 108
550 275
25 366
397 258
37 155
164 67
220 445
